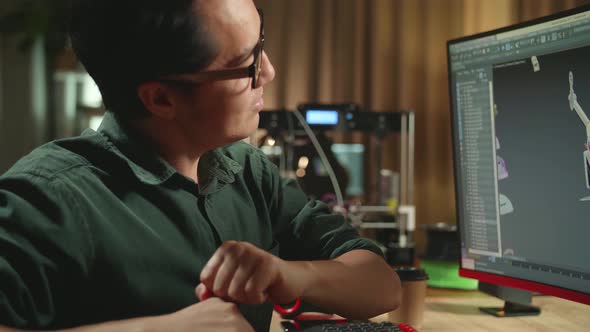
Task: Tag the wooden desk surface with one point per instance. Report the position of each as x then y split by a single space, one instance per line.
450 310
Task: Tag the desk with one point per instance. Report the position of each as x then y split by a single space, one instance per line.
450 310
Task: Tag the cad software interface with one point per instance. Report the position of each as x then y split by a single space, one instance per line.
521 108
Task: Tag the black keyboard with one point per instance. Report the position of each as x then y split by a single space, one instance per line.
335 326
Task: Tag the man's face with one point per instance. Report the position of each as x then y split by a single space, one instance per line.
222 112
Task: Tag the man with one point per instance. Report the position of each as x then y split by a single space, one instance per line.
160 221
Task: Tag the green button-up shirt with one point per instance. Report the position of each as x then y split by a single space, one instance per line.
99 228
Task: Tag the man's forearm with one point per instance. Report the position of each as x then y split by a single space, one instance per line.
145 324
358 284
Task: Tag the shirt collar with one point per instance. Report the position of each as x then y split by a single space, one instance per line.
215 168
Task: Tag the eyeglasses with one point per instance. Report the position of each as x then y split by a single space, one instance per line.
253 71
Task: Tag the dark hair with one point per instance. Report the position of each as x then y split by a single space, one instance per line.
123 43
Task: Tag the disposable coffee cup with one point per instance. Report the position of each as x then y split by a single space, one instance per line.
411 310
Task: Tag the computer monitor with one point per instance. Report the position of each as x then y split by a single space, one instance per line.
520 101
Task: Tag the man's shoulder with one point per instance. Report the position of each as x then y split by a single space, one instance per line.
55 158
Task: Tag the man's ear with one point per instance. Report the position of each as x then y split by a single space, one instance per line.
157 99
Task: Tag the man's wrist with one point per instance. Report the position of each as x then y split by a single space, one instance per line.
141 324
301 276
150 324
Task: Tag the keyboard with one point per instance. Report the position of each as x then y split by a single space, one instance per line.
339 326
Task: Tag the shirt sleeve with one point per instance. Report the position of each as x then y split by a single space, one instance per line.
306 229
43 251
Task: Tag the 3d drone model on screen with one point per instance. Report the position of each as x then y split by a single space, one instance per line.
575 106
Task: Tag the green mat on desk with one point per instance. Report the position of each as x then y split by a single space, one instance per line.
443 274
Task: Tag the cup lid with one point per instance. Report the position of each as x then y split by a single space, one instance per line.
410 273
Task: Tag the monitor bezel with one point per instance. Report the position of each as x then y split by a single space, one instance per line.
489 277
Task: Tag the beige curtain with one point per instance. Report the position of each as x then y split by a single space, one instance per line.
386 55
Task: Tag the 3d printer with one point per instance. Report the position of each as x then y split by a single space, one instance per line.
298 142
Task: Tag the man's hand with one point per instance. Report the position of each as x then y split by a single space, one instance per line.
213 314
240 272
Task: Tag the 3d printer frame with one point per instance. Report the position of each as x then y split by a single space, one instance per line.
350 118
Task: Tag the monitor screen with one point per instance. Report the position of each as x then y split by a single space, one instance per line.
520 102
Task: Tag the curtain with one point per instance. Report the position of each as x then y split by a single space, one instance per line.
386 55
